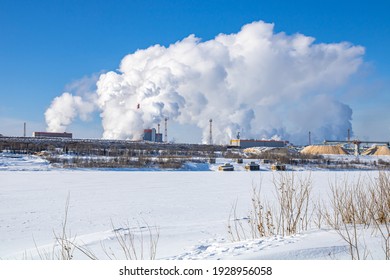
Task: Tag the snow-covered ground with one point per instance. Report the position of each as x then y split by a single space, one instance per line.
189 210
15 162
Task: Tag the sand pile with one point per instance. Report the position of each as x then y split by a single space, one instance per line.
263 150
377 151
324 150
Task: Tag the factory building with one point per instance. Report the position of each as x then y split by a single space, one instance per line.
159 137
52 135
249 143
151 135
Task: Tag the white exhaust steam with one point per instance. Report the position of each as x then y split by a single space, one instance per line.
257 82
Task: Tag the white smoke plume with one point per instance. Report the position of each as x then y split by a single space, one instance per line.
258 82
65 108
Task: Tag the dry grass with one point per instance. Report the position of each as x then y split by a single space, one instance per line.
293 195
236 227
358 206
65 244
352 210
289 216
131 241
379 209
346 213
261 218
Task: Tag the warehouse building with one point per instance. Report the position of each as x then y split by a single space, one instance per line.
250 143
52 135
151 135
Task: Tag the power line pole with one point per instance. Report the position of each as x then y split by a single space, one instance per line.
211 132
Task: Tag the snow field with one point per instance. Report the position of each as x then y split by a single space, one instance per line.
190 210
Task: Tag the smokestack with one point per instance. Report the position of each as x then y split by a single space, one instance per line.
211 131
158 128
349 135
24 130
309 137
166 130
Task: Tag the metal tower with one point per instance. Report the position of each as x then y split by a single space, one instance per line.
211 132
166 130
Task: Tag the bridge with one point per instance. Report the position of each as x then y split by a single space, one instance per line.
357 143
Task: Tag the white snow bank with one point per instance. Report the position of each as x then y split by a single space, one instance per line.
16 162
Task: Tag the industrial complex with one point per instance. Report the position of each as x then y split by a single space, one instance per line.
154 144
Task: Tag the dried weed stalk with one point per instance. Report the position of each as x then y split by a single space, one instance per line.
289 216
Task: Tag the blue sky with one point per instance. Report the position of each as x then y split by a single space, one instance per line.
45 46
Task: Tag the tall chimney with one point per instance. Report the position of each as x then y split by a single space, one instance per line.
166 130
211 132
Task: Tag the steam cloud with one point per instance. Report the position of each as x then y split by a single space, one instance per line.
258 82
